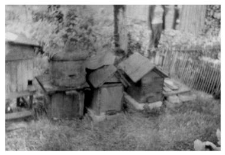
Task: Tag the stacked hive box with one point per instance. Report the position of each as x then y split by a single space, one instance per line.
64 86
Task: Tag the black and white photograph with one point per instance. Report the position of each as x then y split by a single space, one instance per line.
112 77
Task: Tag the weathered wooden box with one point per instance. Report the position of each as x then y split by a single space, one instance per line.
67 69
66 106
146 80
107 92
63 102
107 98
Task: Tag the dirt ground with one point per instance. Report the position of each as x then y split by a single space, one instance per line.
164 129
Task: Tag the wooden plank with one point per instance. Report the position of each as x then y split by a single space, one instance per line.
199 82
17 115
120 76
172 70
203 73
100 76
197 76
18 94
185 73
176 66
169 62
195 68
205 78
13 75
136 66
81 103
187 78
170 84
57 100
165 60
210 79
183 67
180 91
187 97
20 76
8 77
210 82
24 72
30 67
217 80
178 63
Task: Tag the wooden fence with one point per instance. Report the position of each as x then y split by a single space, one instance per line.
197 74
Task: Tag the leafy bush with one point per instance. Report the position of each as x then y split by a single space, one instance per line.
203 44
58 26
213 20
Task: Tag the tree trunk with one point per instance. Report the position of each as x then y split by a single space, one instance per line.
193 18
120 33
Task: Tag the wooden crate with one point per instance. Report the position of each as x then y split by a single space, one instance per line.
62 102
68 69
107 98
66 106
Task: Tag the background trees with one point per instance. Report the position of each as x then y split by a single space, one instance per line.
55 26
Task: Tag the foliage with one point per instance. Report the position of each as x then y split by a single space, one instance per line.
138 36
56 27
213 19
205 45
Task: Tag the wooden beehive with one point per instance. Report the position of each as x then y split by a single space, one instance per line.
107 92
63 102
146 80
68 69
107 98
65 105
149 89
20 53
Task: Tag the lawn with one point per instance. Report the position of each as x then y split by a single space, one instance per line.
164 129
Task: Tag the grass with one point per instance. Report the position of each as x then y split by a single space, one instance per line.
167 129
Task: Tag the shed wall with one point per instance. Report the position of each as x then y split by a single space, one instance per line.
18 72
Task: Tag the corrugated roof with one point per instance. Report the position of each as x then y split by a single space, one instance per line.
137 66
100 76
20 39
